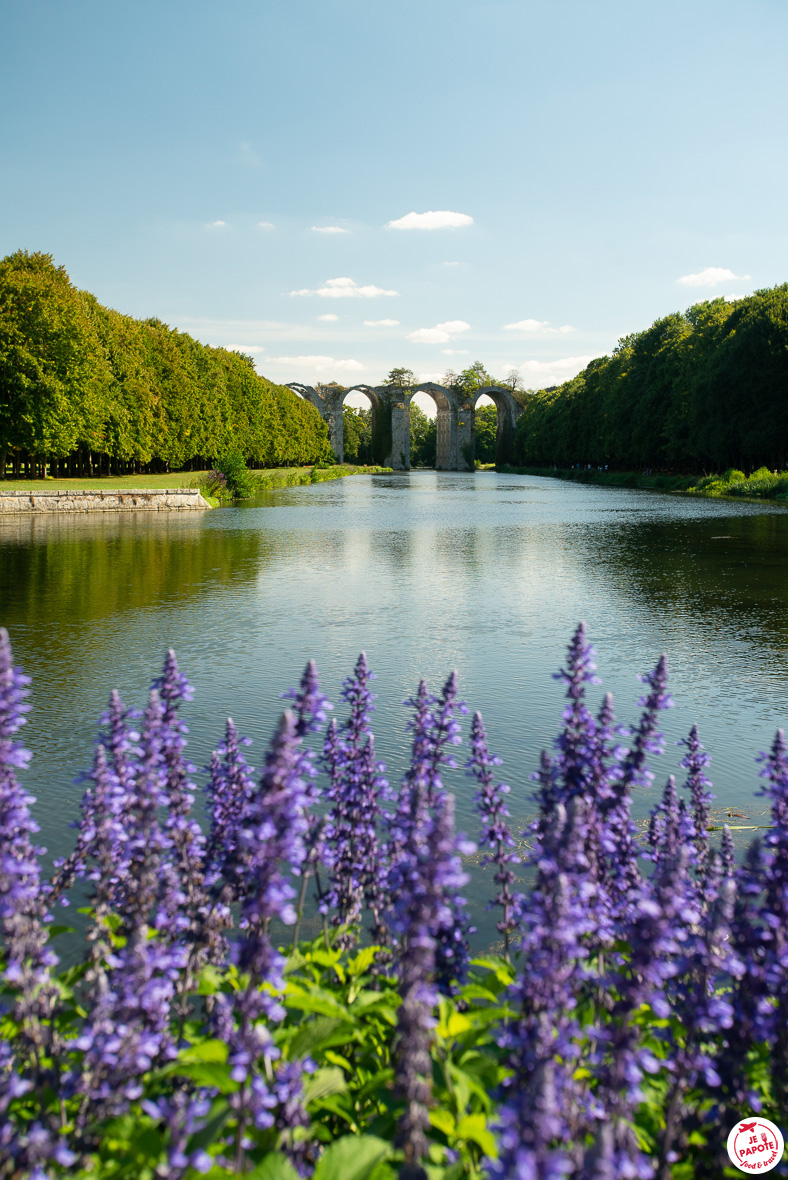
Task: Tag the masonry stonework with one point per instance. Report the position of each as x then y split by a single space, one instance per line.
456 420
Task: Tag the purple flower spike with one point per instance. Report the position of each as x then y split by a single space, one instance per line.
694 762
424 880
621 841
356 784
183 899
490 802
230 788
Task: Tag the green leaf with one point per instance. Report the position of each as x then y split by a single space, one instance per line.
323 1083
55 930
319 1034
474 1127
274 1166
443 1120
204 1051
362 961
352 1158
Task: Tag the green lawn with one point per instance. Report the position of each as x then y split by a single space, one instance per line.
106 483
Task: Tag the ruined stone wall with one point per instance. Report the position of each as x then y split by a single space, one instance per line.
144 500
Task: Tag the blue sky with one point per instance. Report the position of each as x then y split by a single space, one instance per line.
188 160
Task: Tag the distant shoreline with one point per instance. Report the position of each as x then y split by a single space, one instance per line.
761 485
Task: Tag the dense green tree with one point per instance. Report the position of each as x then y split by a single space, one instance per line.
423 438
402 378
82 382
702 390
486 427
357 429
53 371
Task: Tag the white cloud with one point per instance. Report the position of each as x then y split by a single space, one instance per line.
711 276
434 219
322 364
538 328
440 334
538 374
345 288
328 229
451 264
215 224
454 351
381 323
328 318
265 225
436 378
244 348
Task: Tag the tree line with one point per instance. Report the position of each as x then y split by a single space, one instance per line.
706 389
85 390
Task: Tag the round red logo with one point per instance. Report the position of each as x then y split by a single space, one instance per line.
755 1145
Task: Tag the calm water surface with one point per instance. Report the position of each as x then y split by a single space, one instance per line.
427 572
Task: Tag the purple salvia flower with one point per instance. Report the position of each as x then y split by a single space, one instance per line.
183 898
660 917
146 842
541 1041
310 704
271 842
491 804
727 854
230 788
694 762
702 1009
774 913
620 837
670 827
28 962
424 879
577 739
356 784
128 1030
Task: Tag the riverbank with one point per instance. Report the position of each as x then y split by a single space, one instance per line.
99 500
216 491
264 481
761 485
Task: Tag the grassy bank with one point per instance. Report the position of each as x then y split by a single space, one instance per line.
264 481
761 485
615 479
105 483
216 491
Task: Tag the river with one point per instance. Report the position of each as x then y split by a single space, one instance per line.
426 572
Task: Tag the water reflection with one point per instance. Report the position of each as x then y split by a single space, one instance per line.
486 573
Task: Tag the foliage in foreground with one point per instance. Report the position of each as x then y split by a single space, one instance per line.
630 1019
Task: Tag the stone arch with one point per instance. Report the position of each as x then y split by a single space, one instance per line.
446 408
378 416
509 410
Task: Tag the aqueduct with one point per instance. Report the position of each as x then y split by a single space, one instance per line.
456 421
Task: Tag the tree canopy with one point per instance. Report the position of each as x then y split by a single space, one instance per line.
77 378
705 389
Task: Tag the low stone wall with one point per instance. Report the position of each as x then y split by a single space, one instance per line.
142 500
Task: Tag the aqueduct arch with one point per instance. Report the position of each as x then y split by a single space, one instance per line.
391 421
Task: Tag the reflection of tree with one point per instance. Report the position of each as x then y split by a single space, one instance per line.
55 570
724 571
